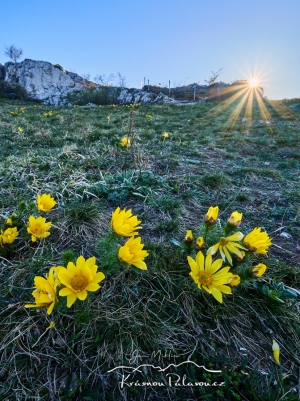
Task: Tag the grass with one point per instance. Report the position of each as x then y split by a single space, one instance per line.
156 316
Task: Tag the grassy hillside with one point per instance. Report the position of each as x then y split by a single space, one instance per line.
244 159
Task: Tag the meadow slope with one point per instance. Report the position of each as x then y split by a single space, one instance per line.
240 158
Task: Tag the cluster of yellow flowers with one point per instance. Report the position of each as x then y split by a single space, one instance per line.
208 274
83 276
77 281
37 227
9 232
49 114
148 116
15 113
124 224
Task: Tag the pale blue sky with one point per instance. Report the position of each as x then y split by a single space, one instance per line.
161 40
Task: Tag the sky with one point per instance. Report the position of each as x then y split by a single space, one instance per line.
181 41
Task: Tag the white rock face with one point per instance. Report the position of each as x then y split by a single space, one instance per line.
139 96
44 81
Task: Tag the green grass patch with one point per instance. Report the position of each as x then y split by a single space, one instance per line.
156 316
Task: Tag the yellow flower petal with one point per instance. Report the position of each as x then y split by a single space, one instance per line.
92 287
217 294
65 291
71 298
199 261
141 265
82 295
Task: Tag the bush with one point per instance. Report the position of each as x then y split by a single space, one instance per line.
102 96
13 92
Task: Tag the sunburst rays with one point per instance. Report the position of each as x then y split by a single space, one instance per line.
242 96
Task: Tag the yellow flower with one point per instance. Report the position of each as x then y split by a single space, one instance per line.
188 236
45 291
165 135
200 243
9 235
125 141
108 118
207 276
45 202
148 115
235 280
132 253
9 222
227 246
235 219
257 241
123 223
79 279
212 215
20 129
38 227
276 351
22 109
258 270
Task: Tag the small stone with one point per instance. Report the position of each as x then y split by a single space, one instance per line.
285 235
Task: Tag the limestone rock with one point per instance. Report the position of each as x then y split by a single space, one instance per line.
140 96
44 81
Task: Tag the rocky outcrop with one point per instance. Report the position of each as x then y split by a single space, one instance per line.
140 96
52 84
44 81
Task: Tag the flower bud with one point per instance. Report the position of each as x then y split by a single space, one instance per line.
235 281
188 237
276 351
258 270
200 243
9 222
212 215
235 219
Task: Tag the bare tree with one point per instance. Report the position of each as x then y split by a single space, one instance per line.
13 52
122 81
214 76
103 80
87 76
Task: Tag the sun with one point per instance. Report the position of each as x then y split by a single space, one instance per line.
253 82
